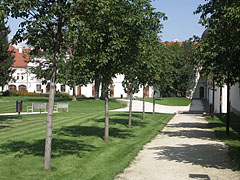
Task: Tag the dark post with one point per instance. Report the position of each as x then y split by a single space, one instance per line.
212 114
228 105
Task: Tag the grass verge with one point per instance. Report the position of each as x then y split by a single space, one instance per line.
78 149
218 124
169 101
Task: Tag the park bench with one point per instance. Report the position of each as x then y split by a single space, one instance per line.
37 106
61 106
135 97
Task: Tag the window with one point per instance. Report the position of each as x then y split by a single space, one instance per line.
38 87
17 76
62 88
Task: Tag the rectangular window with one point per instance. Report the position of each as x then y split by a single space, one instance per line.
38 87
62 88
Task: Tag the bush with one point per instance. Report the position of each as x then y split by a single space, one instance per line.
6 93
62 95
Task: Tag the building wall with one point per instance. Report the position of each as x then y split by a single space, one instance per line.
235 99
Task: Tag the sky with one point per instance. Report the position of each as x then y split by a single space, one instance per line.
182 24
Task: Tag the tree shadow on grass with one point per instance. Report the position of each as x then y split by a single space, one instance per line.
76 131
60 147
123 120
205 155
5 121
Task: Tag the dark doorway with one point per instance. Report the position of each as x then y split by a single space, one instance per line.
79 91
201 92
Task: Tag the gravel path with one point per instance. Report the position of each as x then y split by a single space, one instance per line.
185 149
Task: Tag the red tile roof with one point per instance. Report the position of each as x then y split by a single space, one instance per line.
20 58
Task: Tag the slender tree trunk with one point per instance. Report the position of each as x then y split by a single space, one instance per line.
228 105
106 132
143 112
153 101
130 112
74 97
48 141
213 99
103 94
220 107
97 85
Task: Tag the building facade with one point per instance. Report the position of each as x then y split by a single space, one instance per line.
25 81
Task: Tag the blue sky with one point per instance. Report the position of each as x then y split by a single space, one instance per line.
181 24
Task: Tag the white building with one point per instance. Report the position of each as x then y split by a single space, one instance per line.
204 90
26 81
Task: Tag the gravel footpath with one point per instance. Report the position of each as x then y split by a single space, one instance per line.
186 149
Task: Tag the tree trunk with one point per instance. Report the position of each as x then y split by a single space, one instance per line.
213 99
153 101
48 141
143 112
130 112
103 94
74 97
106 132
228 106
220 107
97 85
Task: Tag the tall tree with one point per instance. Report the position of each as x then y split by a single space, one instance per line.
218 55
43 27
6 57
115 30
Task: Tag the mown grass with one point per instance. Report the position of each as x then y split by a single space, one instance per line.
78 149
169 101
218 124
8 103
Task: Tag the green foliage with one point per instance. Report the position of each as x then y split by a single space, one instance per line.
6 58
218 53
181 73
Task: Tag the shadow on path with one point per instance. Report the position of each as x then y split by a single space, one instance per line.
200 154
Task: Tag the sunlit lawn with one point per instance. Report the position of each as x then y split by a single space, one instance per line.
78 149
170 101
218 124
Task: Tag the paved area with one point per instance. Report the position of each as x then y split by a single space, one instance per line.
185 149
22 113
137 107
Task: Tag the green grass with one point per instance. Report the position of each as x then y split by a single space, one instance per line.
218 124
8 103
170 101
78 149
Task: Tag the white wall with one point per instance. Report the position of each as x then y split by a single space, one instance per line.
235 97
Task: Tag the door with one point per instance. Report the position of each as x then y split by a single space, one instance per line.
79 91
147 91
111 91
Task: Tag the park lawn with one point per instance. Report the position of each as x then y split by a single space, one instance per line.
8 103
78 149
218 124
169 101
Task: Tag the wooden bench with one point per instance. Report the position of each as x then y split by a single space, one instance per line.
37 106
61 106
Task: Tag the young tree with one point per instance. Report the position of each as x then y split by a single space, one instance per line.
219 53
115 32
130 85
43 27
6 57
